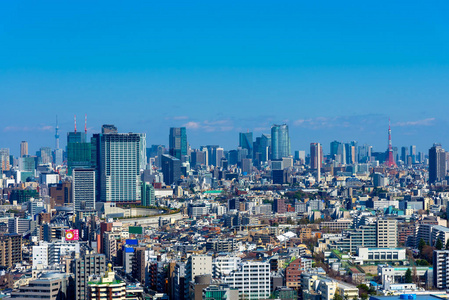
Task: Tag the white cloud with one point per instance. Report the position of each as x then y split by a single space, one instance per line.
27 128
423 122
192 125
210 126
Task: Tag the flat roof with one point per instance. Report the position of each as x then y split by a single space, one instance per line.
417 297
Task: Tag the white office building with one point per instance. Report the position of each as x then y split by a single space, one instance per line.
40 256
224 265
252 279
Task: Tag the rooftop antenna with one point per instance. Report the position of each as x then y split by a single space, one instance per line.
75 123
85 123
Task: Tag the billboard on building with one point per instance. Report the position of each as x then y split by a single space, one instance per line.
71 235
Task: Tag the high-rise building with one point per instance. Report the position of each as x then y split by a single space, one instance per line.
171 169
107 287
280 141
79 151
4 159
219 154
262 148
178 142
212 155
279 206
252 279
387 233
350 153
23 148
441 269
85 267
437 164
316 156
246 142
139 264
108 128
58 155
83 189
196 265
364 153
404 154
199 157
119 159
45 155
147 194
336 151
10 249
413 153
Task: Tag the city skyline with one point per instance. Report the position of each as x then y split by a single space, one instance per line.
326 145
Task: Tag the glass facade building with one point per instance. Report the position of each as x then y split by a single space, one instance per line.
178 142
280 141
78 151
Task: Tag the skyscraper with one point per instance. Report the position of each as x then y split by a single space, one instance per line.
246 142
78 151
23 148
178 142
4 159
45 155
437 163
404 154
84 268
413 153
316 156
280 141
83 189
119 158
147 194
171 169
212 155
336 151
262 148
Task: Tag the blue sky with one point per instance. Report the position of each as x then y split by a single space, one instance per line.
329 69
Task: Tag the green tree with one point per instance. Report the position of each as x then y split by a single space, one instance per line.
408 276
421 245
337 296
422 262
439 245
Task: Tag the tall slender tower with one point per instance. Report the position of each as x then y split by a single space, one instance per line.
390 159
57 133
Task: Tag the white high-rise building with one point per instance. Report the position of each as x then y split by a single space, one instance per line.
252 280
387 233
40 256
224 265
120 159
83 189
441 269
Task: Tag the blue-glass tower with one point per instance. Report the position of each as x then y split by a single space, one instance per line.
280 142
